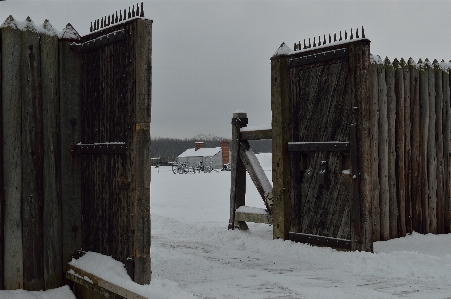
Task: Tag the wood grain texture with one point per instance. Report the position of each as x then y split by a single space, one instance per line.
400 149
70 126
12 167
440 206
446 150
432 151
2 186
52 244
32 162
384 199
407 145
280 94
391 117
376 209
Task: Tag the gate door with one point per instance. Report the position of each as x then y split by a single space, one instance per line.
115 143
324 157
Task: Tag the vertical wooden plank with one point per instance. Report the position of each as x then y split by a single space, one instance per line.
407 143
52 189
391 110
432 151
280 83
424 133
70 126
375 151
32 162
447 148
417 183
2 187
141 163
400 133
238 174
359 58
383 154
439 148
12 167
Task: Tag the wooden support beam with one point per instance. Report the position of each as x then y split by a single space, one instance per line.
257 174
99 285
321 241
256 134
255 215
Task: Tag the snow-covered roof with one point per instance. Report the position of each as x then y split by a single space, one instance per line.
202 152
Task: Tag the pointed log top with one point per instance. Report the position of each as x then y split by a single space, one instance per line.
115 18
411 61
387 61
402 62
396 62
69 33
282 50
9 22
48 28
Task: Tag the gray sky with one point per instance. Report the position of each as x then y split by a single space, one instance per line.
211 58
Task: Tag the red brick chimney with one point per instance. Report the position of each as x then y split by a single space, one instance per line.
225 152
198 145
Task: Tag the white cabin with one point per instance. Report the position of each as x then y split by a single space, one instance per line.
209 156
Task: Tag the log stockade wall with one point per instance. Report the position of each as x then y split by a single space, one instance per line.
410 132
75 148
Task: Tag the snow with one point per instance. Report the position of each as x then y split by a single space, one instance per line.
59 293
46 28
282 50
201 152
195 256
256 128
245 209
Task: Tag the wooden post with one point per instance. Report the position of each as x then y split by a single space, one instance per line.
141 151
432 152
424 133
400 148
70 126
391 108
375 152
383 154
417 184
359 61
2 186
281 135
439 148
32 164
12 167
446 150
53 276
238 173
408 147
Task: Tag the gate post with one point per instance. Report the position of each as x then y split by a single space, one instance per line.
281 135
238 175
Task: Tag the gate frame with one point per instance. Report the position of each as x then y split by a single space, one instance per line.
359 67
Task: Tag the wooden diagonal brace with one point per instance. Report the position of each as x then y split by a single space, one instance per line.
257 175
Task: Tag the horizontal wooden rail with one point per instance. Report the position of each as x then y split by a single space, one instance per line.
320 241
318 147
255 215
256 134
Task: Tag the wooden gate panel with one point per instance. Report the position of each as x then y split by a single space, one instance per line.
321 103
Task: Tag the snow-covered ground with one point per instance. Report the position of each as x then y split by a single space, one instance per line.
195 256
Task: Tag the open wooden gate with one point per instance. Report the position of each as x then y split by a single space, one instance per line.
319 102
115 143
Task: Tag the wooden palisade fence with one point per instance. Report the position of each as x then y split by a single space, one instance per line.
361 146
75 150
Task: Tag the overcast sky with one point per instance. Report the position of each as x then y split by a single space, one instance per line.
211 58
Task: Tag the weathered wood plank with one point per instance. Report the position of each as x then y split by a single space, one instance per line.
238 173
98 284
391 116
407 144
432 151
400 149
249 214
12 167
2 186
141 164
383 154
53 274
280 86
256 134
257 174
32 162
440 215
424 133
447 149
375 152
416 161
70 126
